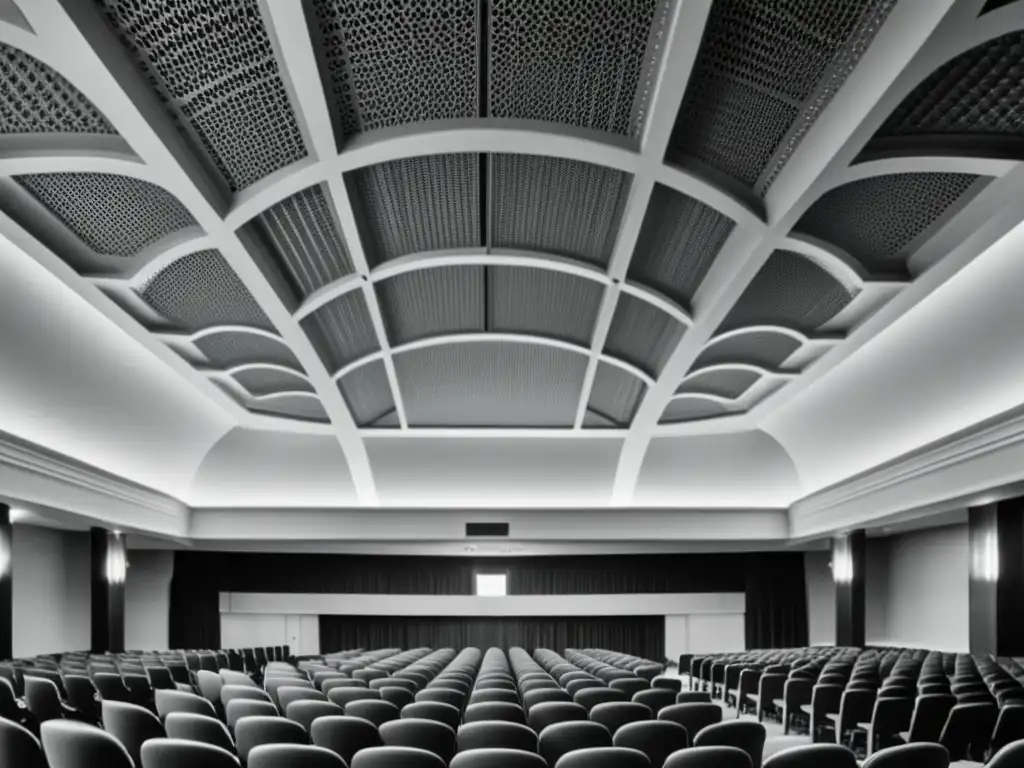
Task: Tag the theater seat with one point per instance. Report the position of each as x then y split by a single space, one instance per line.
497 758
655 738
175 753
69 744
713 757
493 734
396 757
422 734
18 747
561 738
344 735
604 757
293 756
207 730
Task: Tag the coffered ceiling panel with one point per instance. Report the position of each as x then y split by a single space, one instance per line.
642 334
266 381
368 395
766 348
682 409
724 383
430 302
542 302
212 64
342 331
302 407
615 395
490 384
227 348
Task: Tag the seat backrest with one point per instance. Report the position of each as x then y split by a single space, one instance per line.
304 712
486 695
18 747
742 734
182 701
655 738
286 694
604 757
909 756
70 744
132 725
209 683
693 697
421 734
293 756
494 734
231 692
341 682
344 696
494 710
160 677
693 717
173 753
451 696
588 698
548 713
497 757
192 727
561 738
656 698
397 696
968 730
236 709
1009 726
930 715
255 730
614 714
377 712
434 710
813 756
540 695
43 699
631 685
344 735
1009 756
714 757
582 684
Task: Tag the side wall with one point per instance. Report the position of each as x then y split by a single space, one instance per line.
148 599
821 598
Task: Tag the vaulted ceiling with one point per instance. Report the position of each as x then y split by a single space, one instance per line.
619 240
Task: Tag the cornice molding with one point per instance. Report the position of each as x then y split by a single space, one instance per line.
920 478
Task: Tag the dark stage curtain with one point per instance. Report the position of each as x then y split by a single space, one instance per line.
638 635
776 600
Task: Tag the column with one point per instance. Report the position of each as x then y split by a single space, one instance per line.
996 533
848 561
6 583
109 567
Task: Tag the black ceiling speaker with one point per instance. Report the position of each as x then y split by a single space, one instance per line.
486 529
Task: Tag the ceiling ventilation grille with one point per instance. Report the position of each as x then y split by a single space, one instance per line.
566 207
603 44
113 215
490 384
615 395
367 392
791 291
417 204
212 62
875 219
302 230
36 99
386 64
765 71
679 239
201 290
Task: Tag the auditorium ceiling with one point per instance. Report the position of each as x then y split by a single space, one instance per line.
633 249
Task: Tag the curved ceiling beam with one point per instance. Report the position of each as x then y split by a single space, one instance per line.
833 259
161 254
70 153
914 160
760 370
243 367
74 41
492 337
699 188
477 257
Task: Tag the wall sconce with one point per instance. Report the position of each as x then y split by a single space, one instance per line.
5 556
842 567
117 561
986 558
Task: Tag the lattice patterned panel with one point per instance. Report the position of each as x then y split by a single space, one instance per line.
212 61
368 394
534 45
691 409
112 215
615 395
266 381
230 348
490 384
727 383
769 349
679 239
979 93
37 99
342 330
542 302
390 63
765 71
642 334
306 239
430 302
300 407
792 291
201 290
565 207
417 204
876 219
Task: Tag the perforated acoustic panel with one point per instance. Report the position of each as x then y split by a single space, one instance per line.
291 406
642 334
264 381
306 239
430 302
729 384
615 395
230 348
979 93
112 215
876 219
201 290
765 71
342 331
417 204
769 349
691 409
368 393
542 302
36 99
390 63
565 207
792 291
212 63
679 239
490 384
535 43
